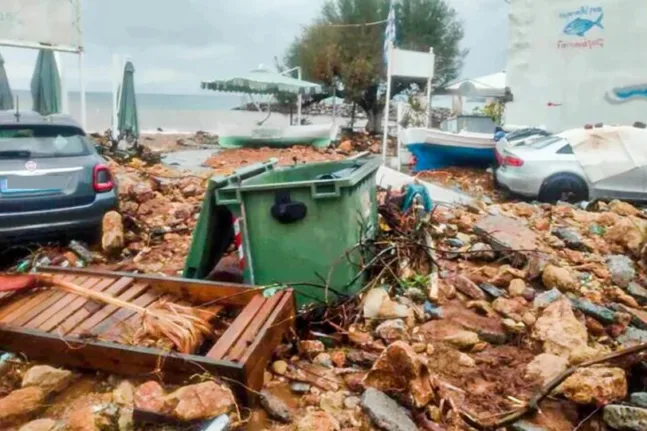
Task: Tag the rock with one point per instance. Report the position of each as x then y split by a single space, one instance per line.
529 319
150 396
311 348
126 422
318 421
419 347
639 399
517 287
361 358
124 394
40 425
623 208
560 278
515 328
466 360
638 292
462 339
467 287
526 426
416 295
622 270
489 329
481 251
112 228
279 367
190 190
454 242
536 264
544 299
355 382
385 413
332 402
598 312
142 192
338 357
201 401
49 379
595 385
21 403
571 238
625 417
632 337
351 402
323 359
346 147
583 354
431 311
627 233
510 308
377 304
299 388
546 366
275 407
83 418
559 330
399 370
492 290
392 330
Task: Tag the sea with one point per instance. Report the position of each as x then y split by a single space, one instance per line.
179 113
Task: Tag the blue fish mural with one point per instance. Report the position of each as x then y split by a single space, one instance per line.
627 94
581 26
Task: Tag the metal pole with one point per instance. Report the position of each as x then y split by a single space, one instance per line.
398 130
334 103
431 76
115 86
82 85
299 99
388 100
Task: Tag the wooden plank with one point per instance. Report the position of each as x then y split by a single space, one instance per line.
107 310
258 354
80 313
195 291
18 299
107 327
36 299
236 329
248 336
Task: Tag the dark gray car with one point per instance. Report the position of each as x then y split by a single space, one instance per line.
52 181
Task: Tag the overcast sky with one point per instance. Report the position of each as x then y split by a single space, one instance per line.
175 44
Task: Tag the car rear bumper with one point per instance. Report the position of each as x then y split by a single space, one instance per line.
518 182
34 225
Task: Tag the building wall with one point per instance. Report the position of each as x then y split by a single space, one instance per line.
571 62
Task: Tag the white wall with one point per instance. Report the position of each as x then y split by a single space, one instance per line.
559 56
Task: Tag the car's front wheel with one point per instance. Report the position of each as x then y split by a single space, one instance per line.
563 187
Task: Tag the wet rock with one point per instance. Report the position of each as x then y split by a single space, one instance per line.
40 425
83 418
323 359
627 233
279 367
377 304
481 251
431 311
150 396
546 366
190 190
595 385
416 295
631 337
571 238
392 330
515 328
299 388
623 208
112 228
559 329
529 319
21 403
346 147
639 399
355 382
492 290
511 308
526 426
467 287
517 287
338 357
454 242
47 378
201 401
126 422
124 394
584 354
598 312
625 417
489 329
638 292
622 270
275 407
318 421
361 358
560 278
465 360
536 264
399 370
544 299
311 348
385 413
141 192
332 402
462 339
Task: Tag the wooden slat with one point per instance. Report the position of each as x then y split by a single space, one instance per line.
108 326
116 287
20 298
236 329
107 310
36 299
246 339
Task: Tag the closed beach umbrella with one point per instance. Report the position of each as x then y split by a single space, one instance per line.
46 84
127 116
6 98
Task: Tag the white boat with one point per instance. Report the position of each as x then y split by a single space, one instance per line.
434 148
317 135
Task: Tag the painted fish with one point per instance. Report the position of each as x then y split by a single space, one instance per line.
581 26
627 94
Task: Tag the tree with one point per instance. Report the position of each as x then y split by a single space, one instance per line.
337 44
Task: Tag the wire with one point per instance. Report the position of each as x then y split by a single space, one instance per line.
356 25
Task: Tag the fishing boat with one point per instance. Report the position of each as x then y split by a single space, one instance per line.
434 149
317 135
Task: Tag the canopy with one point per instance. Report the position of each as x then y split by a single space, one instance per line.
263 81
6 98
46 84
493 85
127 114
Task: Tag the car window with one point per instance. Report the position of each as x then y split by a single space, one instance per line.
544 142
566 149
42 141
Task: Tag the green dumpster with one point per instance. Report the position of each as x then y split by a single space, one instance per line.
296 225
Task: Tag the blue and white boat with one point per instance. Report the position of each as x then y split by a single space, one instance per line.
435 149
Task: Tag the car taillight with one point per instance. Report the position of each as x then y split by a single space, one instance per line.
512 161
102 179
499 159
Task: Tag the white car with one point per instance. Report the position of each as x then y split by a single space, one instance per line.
578 165
520 137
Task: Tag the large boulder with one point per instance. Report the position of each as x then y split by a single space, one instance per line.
595 385
559 330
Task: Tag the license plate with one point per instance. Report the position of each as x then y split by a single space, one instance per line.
34 184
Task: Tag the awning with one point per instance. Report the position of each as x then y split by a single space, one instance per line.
263 81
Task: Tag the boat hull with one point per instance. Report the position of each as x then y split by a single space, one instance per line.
319 136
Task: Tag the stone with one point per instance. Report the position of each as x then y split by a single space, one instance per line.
40 425
338 357
603 314
385 413
638 292
419 347
571 238
506 233
546 366
124 394
559 278
355 382
467 287
275 407
201 401
517 287
559 329
392 330
627 233
529 319
311 348
416 295
595 385
346 147
332 402
150 396
536 264
190 190
639 399
318 421
399 370
466 360
126 422
112 238
299 388
584 354
492 290
510 308
83 418
489 329
351 402
378 305
279 367
50 379
526 426
323 359
632 337
622 270
625 417
361 358
515 328
142 192
462 339
623 208
481 251
21 403
431 311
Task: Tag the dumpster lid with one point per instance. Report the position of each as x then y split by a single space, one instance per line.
243 173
